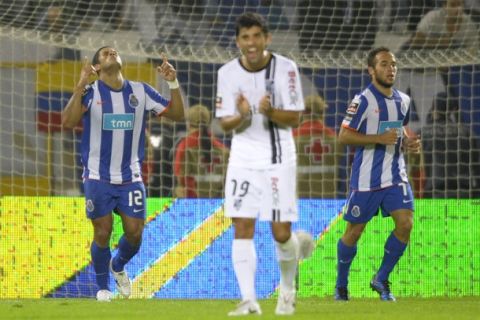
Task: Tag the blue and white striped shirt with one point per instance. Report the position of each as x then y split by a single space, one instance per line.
113 141
377 166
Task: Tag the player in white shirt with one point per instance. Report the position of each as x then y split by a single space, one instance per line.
114 113
375 125
259 98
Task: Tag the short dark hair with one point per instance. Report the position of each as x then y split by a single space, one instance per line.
373 53
97 54
251 19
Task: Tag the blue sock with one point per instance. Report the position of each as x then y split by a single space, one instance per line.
125 252
394 249
345 256
101 258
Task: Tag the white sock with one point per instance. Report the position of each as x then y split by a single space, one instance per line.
287 254
244 260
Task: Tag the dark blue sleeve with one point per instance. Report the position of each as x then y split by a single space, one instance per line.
87 96
355 112
154 97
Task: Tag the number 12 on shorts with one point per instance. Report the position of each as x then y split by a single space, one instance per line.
135 198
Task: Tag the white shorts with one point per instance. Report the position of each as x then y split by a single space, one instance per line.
267 194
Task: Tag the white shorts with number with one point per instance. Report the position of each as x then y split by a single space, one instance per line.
267 194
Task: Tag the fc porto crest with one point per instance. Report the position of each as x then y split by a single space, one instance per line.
133 101
89 205
237 204
356 211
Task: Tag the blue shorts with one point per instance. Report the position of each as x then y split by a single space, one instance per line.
362 206
101 198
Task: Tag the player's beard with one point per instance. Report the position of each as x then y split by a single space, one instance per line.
112 67
384 83
115 63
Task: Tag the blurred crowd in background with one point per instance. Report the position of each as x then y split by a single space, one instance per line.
320 24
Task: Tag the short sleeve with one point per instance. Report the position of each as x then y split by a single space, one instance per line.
87 96
154 101
355 111
225 99
407 102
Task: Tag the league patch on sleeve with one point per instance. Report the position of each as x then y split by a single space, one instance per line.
218 102
87 88
353 107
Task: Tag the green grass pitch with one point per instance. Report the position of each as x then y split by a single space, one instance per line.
307 308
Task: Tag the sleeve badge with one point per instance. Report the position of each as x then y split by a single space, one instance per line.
218 102
353 107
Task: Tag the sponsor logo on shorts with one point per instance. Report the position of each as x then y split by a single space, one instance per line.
275 191
89 205
237 204
356 211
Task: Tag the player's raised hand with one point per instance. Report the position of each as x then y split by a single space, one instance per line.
166 70
86 72
265 106
243 106
389 137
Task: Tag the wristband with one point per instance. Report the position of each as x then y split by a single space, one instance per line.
173 84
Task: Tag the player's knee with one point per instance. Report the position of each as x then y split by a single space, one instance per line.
282 231
405 226
134 237
282 236
243 234
353 233
351 239
102 236
244 228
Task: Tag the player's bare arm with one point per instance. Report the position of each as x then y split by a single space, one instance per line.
420 39
176 110
352 137
281 117
74 110
238 121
